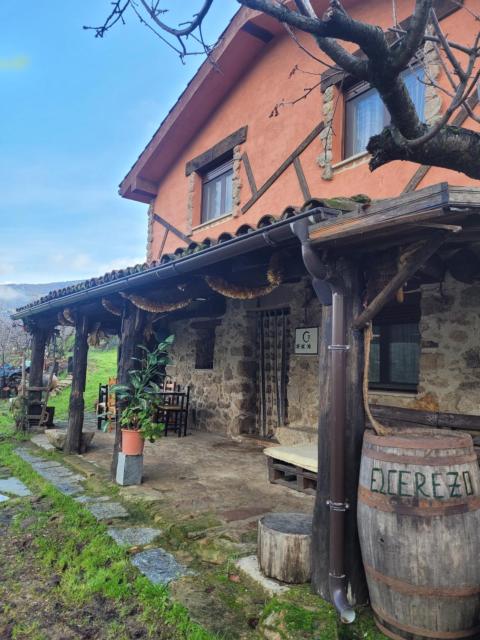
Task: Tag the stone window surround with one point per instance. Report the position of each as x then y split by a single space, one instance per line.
433 109
195 195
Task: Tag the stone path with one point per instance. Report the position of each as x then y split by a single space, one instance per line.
159 566
15 487
133 536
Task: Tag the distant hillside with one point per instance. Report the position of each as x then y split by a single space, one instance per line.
13 296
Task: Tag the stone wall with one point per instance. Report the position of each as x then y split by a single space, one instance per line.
223 399
450 352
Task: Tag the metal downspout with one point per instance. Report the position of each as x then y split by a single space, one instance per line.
330 292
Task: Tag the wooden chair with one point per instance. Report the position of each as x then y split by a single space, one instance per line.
172 408
102 404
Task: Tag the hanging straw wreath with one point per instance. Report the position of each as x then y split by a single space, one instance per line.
239 292
155 307
109 306
65 318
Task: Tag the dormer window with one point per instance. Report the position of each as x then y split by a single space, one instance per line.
217 192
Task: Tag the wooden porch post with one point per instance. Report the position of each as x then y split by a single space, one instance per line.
355 424
79 375
35 378
131 335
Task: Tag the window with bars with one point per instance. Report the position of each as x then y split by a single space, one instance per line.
217 193
366 115
395 348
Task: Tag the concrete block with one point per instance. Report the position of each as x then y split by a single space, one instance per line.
249 566
129 469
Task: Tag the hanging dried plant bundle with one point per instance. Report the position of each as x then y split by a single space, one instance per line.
96 335
155 307
239 292
68 315
109 306
65 320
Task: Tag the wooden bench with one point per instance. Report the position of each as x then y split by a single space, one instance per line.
294 467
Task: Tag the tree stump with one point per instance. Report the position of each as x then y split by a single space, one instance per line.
284 546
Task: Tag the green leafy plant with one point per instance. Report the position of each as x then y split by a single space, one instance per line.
141 394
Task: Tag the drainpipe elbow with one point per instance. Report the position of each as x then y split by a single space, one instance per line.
338 593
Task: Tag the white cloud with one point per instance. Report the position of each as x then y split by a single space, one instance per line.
8 293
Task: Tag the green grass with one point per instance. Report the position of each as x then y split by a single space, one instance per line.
102 365
71 543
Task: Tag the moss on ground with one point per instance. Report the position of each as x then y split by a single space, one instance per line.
71 544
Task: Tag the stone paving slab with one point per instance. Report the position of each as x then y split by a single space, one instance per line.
27 456
87 499
67 488
46 464
14 486
3 498
107 510
159 566
42 441
133 536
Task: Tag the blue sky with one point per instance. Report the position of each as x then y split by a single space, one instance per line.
75 113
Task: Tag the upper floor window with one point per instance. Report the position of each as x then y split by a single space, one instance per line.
366 115
217 193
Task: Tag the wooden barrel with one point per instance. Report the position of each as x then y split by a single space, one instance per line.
419 527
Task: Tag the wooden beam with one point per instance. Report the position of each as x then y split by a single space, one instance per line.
409 268
171 228
131 335
162 246
302 179
419 206
79 375
217 151
249 172
284 166
35 378
145 187
257 32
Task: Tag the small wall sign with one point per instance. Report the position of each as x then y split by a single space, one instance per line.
306 341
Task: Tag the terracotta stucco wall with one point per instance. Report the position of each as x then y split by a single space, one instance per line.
271 139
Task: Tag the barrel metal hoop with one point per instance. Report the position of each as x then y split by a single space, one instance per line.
401 586
463 441
415 506
426 633
439 461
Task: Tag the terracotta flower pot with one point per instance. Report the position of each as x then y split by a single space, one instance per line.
132 443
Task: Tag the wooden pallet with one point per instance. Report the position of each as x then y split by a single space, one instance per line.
289 475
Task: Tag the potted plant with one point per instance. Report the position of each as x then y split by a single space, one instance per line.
141 398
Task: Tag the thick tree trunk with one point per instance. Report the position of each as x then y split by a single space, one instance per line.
79 375
35 378
131 335
355 424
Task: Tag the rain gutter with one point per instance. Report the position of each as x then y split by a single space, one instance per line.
278 234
